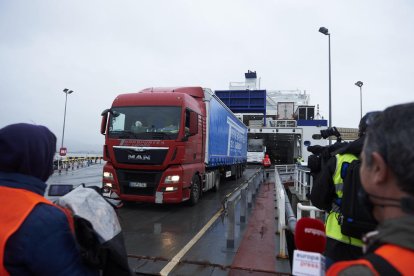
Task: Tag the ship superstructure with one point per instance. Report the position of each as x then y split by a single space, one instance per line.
281 123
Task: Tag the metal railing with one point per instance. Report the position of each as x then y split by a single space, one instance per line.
309 208
244 193
280 214
286 217
75 163
303 181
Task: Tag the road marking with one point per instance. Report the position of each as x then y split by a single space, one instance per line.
174 261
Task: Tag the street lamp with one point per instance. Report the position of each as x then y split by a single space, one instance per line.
360 84
325 31
66 91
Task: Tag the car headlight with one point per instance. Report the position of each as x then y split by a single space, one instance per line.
172 179
108 176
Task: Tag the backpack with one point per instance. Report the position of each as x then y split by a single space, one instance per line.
355 219
97 231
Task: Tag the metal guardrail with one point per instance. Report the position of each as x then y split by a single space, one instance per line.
75 162
303 181
281 225
286 217
244 193
310 208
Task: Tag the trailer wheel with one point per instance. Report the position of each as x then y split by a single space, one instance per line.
216 181
195 191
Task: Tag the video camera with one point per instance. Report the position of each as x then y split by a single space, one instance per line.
323 153
331 131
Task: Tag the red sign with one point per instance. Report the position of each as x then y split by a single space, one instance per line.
63 151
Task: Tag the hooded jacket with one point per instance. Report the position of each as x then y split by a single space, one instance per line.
44 243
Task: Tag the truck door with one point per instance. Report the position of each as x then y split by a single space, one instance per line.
193 132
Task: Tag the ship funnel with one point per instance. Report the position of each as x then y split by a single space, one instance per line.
251 80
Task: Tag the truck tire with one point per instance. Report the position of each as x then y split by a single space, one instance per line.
235 176
241 170
216 181
238 171
195 191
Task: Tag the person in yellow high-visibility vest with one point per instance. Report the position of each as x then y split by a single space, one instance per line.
326 194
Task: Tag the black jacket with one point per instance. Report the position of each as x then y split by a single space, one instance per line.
323 190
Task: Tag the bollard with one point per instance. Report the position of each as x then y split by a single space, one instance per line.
249 195
230 225
243 206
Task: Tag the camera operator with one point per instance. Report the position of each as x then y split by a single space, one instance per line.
326 194
387 193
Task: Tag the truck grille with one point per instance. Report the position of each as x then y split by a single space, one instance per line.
148 156
138 182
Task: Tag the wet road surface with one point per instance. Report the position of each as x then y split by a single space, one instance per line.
161 238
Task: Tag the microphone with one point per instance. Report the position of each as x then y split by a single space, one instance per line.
310 242
310 235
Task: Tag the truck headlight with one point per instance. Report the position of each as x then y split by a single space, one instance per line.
172 179
108 176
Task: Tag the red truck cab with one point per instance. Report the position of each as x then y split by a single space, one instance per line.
155 145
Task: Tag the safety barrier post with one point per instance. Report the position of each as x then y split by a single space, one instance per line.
296 180
230 225
257 183
249 195
243 205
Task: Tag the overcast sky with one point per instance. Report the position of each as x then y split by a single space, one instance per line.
100 49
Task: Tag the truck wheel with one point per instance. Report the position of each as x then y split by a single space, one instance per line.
195 191
238 171
216 181
235 176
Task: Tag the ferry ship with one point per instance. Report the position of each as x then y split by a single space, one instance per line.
281 123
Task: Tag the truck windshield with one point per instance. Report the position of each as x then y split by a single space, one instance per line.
255 145
145 122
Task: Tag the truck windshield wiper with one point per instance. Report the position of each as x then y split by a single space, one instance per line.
127 134
162 135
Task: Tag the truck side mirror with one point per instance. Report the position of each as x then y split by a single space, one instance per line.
104 115
193 123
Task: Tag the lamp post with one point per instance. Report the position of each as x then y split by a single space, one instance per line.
66 91
360 84
325 31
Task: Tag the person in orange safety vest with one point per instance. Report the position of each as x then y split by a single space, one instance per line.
36 236
266 161
387 177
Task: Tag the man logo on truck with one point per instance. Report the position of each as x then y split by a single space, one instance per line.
138 157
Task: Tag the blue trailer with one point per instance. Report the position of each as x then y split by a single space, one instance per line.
226 150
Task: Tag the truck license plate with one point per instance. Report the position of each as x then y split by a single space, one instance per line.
137 184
